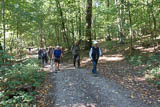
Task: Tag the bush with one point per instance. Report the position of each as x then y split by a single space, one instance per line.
18 83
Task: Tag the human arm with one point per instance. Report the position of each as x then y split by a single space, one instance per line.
90 53
52 54
100 52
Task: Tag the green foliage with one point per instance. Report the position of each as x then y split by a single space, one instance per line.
151 62
156 72
18 83
4 58
140 59
112 45
136 60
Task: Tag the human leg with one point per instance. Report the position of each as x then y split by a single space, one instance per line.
43 60
52 63
74 60
78 60
94 67
58 62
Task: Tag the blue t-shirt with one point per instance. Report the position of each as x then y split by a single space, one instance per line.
57 53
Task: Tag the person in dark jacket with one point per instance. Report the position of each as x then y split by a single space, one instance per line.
94 54
44 57
76 54
40 51
50 51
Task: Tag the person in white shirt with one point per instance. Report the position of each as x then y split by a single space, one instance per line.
94 54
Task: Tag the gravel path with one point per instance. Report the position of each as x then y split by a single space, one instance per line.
80 88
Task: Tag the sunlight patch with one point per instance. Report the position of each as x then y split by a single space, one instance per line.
81 105
116 57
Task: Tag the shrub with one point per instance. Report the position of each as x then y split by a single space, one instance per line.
18 83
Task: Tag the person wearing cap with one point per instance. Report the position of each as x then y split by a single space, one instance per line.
76 54
56 56
94 54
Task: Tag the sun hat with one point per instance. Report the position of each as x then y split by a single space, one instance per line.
95 42
57 46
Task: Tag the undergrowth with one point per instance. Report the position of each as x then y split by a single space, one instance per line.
150 61
18 83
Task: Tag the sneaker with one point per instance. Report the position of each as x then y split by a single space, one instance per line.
95 75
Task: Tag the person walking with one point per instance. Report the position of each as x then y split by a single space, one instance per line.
76 54
94 54
57 55
40 51
52 60
50 51
44 57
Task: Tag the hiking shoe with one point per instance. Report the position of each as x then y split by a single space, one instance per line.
95 75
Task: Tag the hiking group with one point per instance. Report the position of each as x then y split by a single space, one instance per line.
55 55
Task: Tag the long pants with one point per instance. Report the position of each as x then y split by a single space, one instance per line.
76 58
94 70
44 59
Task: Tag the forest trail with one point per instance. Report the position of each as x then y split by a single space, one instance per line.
80 88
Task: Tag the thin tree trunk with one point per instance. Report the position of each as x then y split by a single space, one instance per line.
89 25
57 34
4 25
120 22
155 25
80 22
41 38
130 29
108 30
72 31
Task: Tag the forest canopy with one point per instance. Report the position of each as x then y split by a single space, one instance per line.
42 23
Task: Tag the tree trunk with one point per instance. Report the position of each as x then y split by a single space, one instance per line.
120 22
72 31
4 25
57 34
41 38
154 27
108 30
63 23
80 22
89 25
130 29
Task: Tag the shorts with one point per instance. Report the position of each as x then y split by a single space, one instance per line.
57 60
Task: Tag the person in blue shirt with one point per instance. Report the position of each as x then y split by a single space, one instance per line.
94 54
56 56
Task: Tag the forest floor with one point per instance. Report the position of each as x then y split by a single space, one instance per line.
80 88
